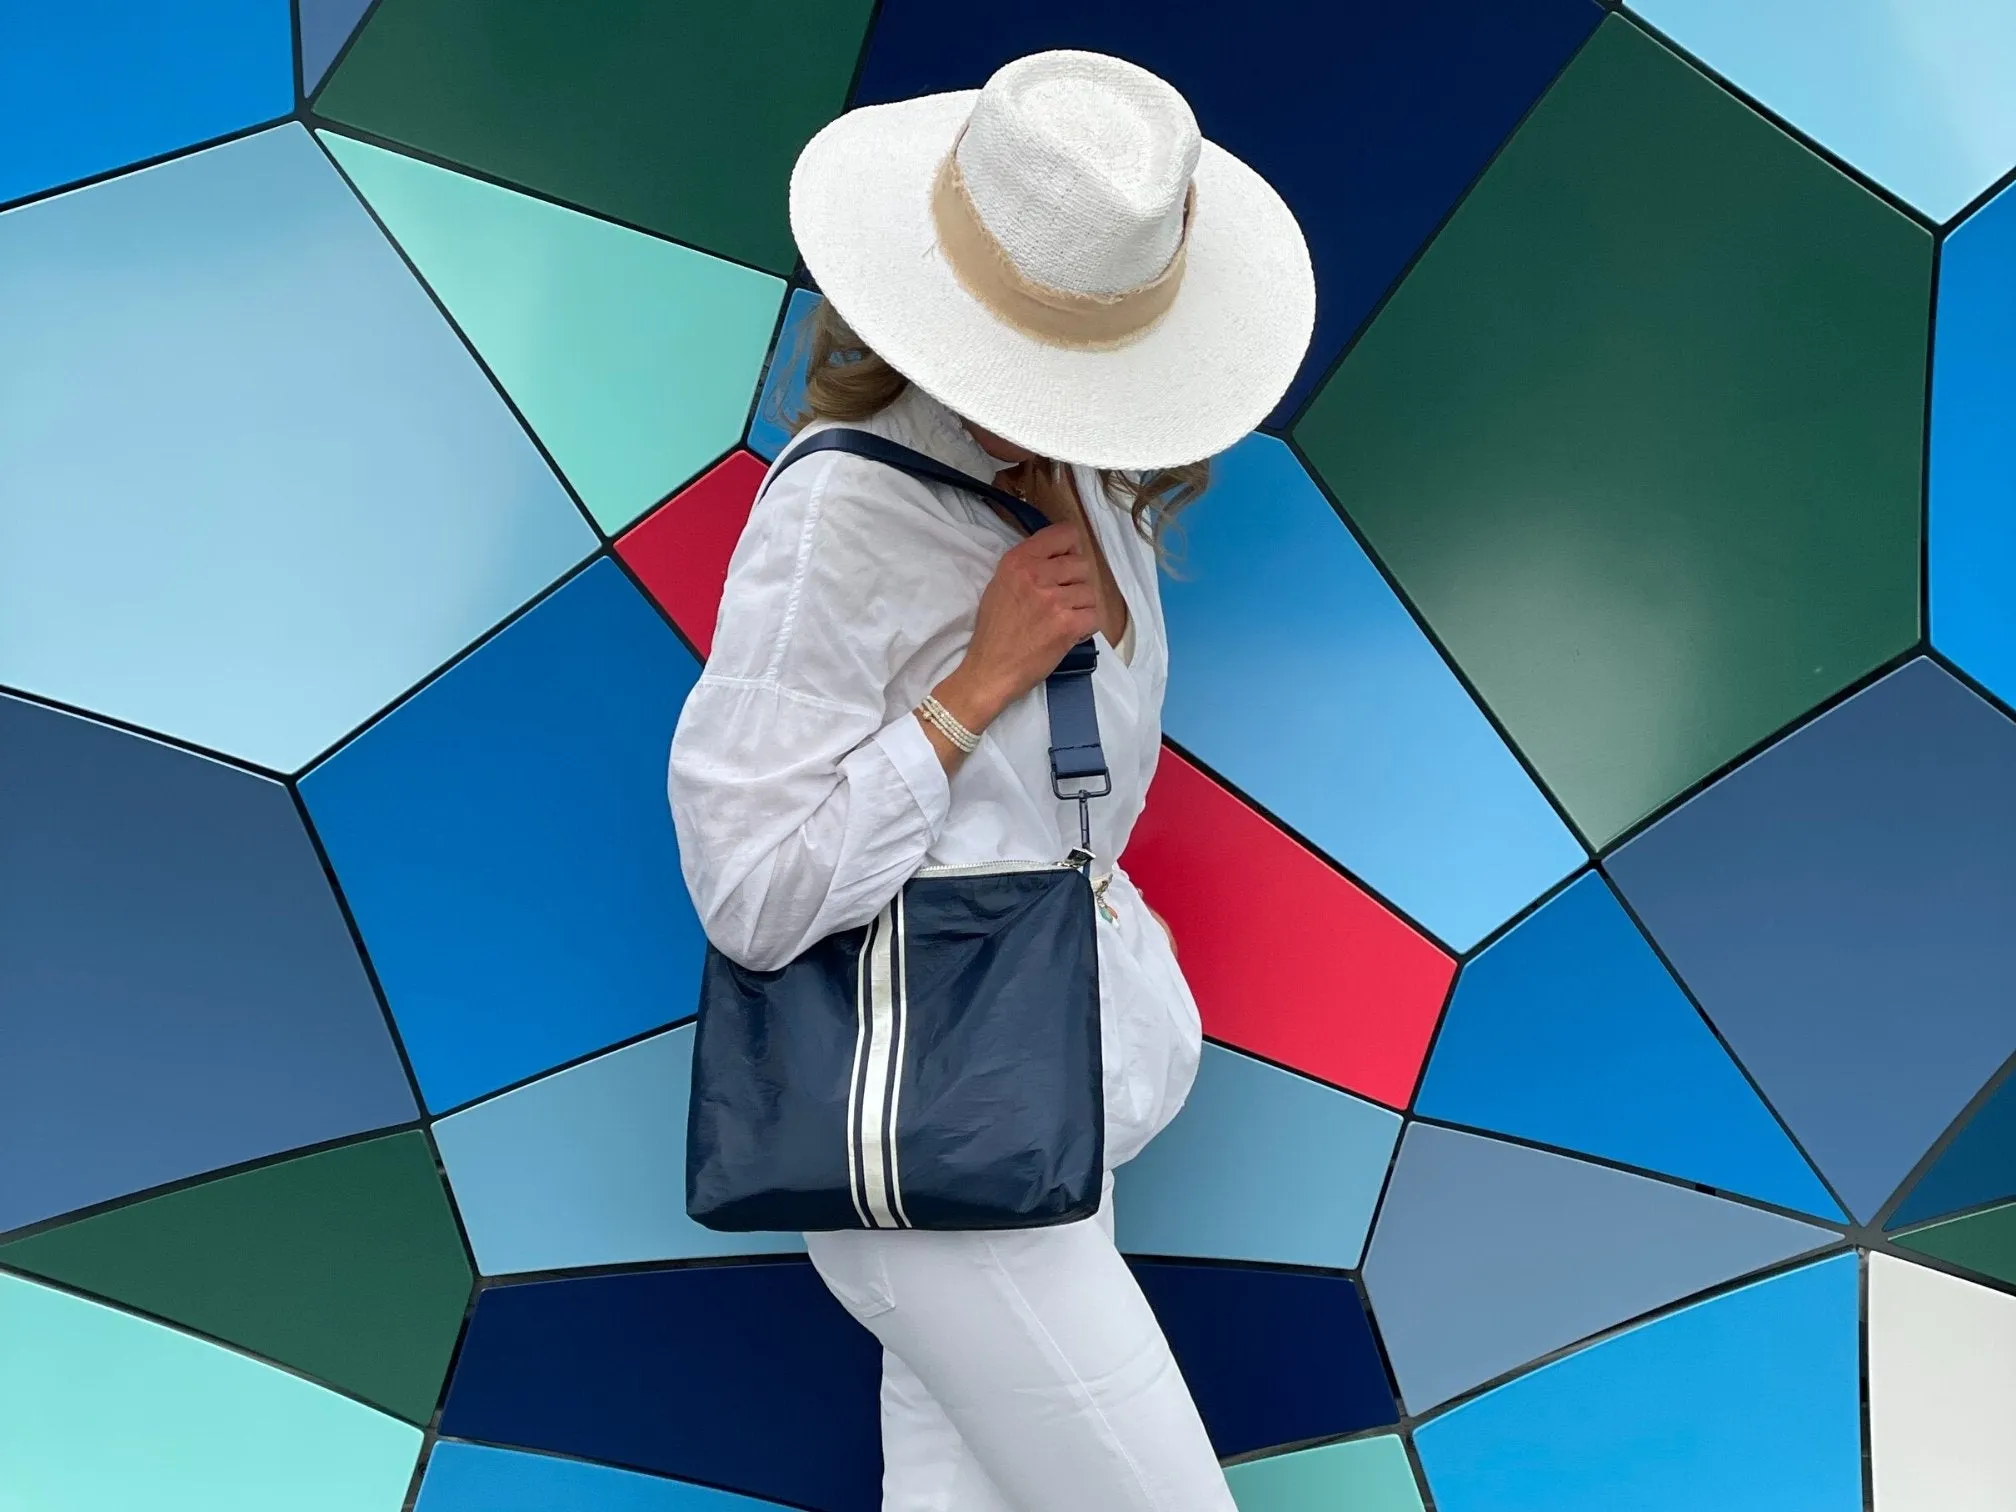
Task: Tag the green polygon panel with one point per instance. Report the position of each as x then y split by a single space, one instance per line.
1984 1242
1364 1475
1641 434
634 359
101 1411
683 119
344 1265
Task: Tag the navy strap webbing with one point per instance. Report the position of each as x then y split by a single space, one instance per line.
1075 754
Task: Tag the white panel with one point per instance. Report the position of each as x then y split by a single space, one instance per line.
1942 1391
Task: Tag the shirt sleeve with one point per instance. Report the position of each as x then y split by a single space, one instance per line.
801 805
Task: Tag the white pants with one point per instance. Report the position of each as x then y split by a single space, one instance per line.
1022 1372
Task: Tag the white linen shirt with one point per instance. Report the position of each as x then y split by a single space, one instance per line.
804 790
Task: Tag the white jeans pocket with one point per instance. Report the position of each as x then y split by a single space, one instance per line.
855 1268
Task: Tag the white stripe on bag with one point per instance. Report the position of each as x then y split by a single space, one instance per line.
902 964
855 1078
879 1013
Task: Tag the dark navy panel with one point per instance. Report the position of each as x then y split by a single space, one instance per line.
1492 1254
1371 117
178 991
749 1377
1271 1357
325 26
1570 1032
1841 907
87 86
504 842
1979 1166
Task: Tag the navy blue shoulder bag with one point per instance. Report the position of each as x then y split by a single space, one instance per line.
938 1067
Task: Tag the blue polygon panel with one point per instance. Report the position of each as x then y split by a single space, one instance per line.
325 26
1271 1357
1370 119
252 487
1570 1032
1840 907
1977 1168
1261 1164
1491 1255
1333 711
1913 93
477 1478
505 845
784 382
178 990
1971 539
1748 1402
586 1167
88 86
748 1377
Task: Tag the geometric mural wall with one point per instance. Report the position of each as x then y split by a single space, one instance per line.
1587 815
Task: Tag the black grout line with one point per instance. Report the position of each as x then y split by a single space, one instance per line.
140 165
127 727
482 364
1896 661
1936 1151
1977 204
202 1178
771 355
432 1430
572 1063
1527 912
294 50
1434 639
853 90
406 695
1862 1361
1322 381
1757 107
505 1280
1434 1039
1320 1441
1729 1050
364 19
1842 1231
1310 846
1925 449
1415 1463
1920 1226
174 1325
335 127
1303 1075
1970 682
644 592
766 1498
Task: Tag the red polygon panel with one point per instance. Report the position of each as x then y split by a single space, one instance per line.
1288 959
681 549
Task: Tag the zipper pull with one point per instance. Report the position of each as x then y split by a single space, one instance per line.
1079 857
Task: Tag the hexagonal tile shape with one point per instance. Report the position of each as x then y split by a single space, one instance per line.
1641 433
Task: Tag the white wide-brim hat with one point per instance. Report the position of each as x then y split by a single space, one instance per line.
1063 260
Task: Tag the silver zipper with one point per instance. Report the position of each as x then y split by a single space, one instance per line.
991 868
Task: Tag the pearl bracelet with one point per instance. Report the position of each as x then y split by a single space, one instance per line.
943 721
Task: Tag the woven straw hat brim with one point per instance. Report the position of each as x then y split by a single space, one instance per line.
1204 376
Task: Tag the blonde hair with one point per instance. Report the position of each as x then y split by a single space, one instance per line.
847 380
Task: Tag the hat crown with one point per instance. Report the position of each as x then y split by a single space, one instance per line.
1079 165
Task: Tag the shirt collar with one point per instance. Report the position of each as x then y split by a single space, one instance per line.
939 433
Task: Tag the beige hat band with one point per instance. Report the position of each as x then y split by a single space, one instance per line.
1056 317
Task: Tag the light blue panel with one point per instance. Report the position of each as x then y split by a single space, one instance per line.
586 1167
1570 1032
505 845
1333 710
1490 1255
87 86
1261 1164
1750 1402
1915 93
1973 476
784 383
252 488
476 1478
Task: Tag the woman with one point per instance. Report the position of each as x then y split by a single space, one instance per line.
1055 284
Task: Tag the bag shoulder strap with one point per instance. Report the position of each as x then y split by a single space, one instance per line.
1075 753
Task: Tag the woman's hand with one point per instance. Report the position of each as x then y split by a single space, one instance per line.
1042 602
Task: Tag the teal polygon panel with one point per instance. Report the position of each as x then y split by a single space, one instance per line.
1334 712
1972 537
1261 1164
1749 1402
586 1167
252 488
1490 1255
87 86
1914 93
1570 1032
477 1478
505 845
1361 1475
